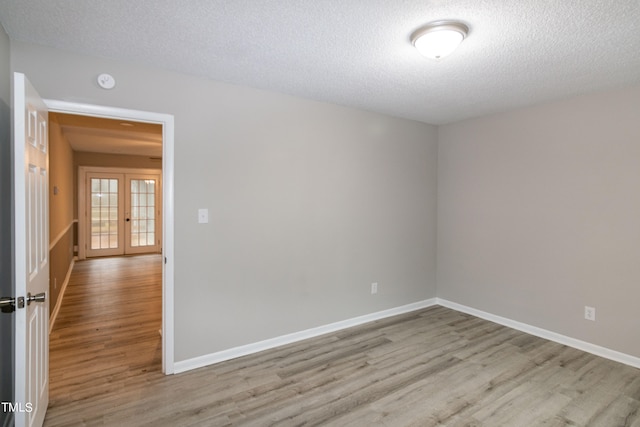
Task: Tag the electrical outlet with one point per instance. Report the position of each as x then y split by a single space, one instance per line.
589 313
374 288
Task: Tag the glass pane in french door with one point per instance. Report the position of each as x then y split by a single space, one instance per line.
104 213
143 218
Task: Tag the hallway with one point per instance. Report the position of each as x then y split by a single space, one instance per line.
106 336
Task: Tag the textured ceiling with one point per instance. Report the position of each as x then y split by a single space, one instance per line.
358 52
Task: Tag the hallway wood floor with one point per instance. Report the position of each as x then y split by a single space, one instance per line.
431 367
106 338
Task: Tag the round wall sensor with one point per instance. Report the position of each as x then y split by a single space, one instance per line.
106 81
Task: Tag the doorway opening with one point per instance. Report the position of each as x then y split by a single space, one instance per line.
148 188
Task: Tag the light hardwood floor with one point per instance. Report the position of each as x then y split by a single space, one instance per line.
431 367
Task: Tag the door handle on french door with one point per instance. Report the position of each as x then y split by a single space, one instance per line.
127 219
41 297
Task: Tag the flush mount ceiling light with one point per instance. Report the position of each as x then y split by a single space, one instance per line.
438 39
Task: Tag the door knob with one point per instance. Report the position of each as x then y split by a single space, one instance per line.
8 304
41 297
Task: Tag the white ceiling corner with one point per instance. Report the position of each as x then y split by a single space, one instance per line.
357 52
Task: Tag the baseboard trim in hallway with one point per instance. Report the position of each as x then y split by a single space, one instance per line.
56 309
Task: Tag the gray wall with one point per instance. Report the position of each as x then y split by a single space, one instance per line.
6 325
539 215
309 202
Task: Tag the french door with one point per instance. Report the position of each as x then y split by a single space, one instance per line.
122 212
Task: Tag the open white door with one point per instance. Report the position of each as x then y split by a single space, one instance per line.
31 224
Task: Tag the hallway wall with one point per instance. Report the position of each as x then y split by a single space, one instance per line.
62 215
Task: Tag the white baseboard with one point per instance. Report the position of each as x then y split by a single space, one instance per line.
543 333
232 353
56 309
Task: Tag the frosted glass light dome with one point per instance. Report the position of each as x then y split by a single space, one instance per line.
439 39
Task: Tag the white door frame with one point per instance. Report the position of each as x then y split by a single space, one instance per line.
166 120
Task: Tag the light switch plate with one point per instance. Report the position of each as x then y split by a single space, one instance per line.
203 216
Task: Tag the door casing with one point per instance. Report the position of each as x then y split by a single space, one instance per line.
167 122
